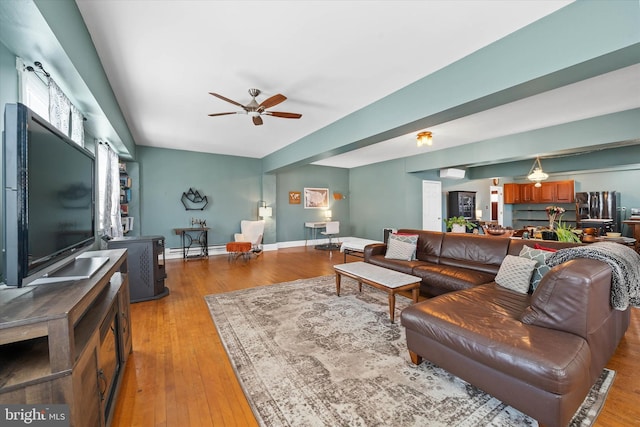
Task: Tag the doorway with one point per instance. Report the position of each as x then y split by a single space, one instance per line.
496 207
432 205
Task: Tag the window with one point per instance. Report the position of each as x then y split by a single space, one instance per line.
43 96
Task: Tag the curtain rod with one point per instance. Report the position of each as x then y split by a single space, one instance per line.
38 64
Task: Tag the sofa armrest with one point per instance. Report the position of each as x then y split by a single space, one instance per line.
572 297
374 249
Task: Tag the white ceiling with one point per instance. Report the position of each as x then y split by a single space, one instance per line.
330 58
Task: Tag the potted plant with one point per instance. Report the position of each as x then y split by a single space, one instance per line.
565 232
458 224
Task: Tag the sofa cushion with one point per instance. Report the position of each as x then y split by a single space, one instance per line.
570 297
470 251
539 256
515 273
446 278
516 245
395 264
429 244
401 246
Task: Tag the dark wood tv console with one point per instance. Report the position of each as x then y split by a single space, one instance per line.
68 342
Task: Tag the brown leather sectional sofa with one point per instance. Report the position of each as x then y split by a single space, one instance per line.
540 352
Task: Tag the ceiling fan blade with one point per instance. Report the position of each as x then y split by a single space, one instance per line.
257 120
283 115
271 101
227 99
221 114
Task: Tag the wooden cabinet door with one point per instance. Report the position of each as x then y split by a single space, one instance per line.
528 193
548 192
86 409
511 193
125 319
565 192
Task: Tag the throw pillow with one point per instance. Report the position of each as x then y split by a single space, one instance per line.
544 248
539 256
401 246
515 273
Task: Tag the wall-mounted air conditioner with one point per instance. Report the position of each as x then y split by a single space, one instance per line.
452 173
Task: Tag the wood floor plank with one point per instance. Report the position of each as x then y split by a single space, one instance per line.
180 375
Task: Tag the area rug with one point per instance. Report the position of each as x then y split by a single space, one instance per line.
306 357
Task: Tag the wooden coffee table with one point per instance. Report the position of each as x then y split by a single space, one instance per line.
381 278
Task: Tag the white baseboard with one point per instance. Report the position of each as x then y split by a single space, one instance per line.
175 253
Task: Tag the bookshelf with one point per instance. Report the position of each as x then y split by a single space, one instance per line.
125 198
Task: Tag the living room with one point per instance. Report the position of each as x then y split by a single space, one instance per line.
605 153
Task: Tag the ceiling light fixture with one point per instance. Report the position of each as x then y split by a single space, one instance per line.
424 138
536 174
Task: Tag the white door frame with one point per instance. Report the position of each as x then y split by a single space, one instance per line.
500 191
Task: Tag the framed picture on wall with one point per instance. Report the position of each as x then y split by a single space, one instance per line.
294 197
316 198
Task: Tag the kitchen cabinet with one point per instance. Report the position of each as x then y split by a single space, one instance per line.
511 193
529 193
565 191
548 192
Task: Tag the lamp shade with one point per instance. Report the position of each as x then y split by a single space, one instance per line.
327 213
536 174
264 212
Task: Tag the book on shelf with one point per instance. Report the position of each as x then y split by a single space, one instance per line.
125 181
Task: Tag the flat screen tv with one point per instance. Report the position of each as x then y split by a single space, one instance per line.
49 196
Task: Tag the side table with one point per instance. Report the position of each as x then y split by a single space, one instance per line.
191 235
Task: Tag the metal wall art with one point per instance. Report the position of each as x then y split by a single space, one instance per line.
193 200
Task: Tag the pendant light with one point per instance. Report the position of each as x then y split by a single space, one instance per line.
536 174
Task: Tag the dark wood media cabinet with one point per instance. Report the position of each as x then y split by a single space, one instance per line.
68 342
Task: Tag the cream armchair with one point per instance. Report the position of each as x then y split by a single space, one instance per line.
251 231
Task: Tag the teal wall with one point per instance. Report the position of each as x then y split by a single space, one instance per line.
383 195
231 184
291 218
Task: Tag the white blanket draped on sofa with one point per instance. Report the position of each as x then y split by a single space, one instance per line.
625 269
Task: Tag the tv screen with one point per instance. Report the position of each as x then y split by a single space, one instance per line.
49 195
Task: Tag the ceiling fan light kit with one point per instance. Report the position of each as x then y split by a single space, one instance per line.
255 110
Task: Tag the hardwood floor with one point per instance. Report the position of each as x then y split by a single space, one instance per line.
179 373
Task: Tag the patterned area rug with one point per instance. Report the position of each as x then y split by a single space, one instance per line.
306 357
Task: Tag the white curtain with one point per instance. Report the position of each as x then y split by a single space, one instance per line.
59 108
109 219
77 126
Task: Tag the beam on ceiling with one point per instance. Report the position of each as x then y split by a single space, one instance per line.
579 136
581 40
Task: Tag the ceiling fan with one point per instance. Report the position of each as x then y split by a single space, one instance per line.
256 110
